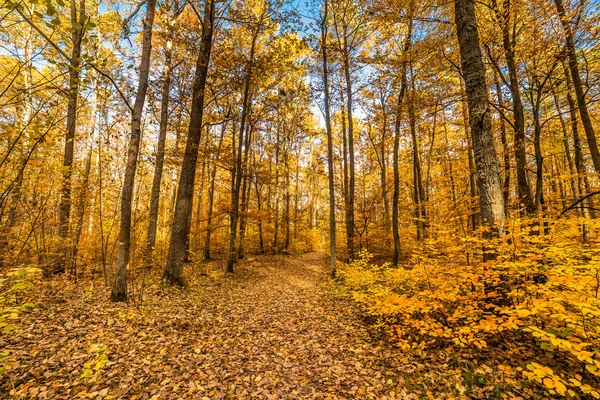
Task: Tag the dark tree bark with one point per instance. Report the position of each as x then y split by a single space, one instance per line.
488 177
185 191
119 289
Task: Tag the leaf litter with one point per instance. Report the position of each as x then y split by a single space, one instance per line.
272 330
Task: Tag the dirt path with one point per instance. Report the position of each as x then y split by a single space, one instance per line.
272 330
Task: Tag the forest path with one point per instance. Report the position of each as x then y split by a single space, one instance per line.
271 330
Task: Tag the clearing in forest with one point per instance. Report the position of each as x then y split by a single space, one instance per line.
271 330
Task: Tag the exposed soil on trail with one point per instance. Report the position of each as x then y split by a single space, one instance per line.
271 330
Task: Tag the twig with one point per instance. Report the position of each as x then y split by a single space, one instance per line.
572 206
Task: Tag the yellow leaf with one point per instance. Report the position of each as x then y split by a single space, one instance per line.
560 387
549 383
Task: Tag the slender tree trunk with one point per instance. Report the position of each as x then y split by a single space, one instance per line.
261 242
397 133
539 158
524 188
330 173
505 150
204 179
346 182
568 155
211 194
296 190
119 289
185 192
579 161
160 159
384 190
286 219
419 190
471 160
81 212
351 181
276 221
578 85
235 197
488 177
246 185
77 15
555 168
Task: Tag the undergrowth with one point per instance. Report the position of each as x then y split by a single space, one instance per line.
523 325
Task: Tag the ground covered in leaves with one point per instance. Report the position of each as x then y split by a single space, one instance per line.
271 330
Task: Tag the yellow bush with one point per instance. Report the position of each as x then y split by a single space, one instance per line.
536 306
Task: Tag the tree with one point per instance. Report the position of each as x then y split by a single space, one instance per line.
488 177
578 85
185 192
327 112
119 289
169 15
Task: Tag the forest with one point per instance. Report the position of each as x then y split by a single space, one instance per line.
324 199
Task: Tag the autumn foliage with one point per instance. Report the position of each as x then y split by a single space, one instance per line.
531 315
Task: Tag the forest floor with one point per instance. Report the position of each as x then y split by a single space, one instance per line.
271 330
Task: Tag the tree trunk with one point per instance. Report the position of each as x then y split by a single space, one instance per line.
276 221
286 216
211 194
81 212
73 93
419 190
345 183
235 196
185 192
119 289
505 151
474 220
488 177
579 162
397 133
160 159
567 147
246 185
261 242
332 232
525 194
351 181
